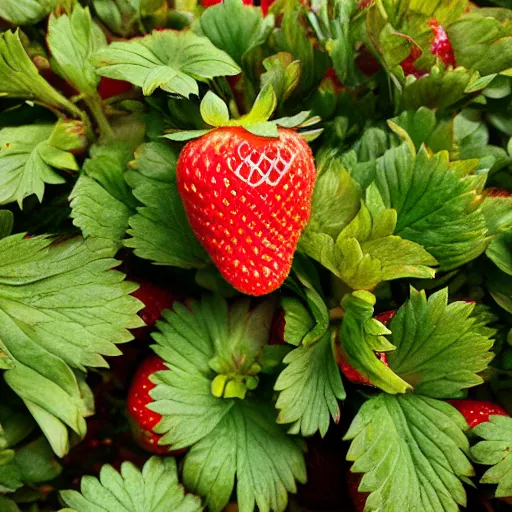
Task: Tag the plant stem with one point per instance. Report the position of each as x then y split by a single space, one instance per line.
94 104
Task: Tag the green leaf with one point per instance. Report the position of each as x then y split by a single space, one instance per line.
310 387
73 40
186 135
336 200
440 89
19 77
361 336
498 214
422 127
25 11
262 110
120 16
61 307
437 203
264 129
236 28
412 450
27 161
495 450
248 444
481 40
214 111
283 73
6 223
101 201
500 287
160 231
229 437
154 489
366 252
173 61
440 349
500 252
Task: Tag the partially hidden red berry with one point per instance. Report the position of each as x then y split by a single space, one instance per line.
248 199
109 87
496 192
358 498
144 420
155 299
277 328
441 46
477 411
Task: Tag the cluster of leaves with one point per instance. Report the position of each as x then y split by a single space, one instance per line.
405 215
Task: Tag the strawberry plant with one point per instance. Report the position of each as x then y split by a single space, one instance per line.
255 255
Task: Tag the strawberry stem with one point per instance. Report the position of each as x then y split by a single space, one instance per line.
94 104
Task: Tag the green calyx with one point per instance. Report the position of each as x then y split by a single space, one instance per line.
215 113
233 385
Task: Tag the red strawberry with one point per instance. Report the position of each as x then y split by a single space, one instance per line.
155 300
440 47
143 419
477 411
348 370
277 328
366 62
358 498
248 198
496 192
109 87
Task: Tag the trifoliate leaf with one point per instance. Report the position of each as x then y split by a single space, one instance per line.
61 307
230 437
437 203
6 223
310 387
495 450
236 28
173 61
367 253
283 73
160 230
28 157
19 77
22 12
361 336
440 350
101 201
412 451
481 40
154 489
72 39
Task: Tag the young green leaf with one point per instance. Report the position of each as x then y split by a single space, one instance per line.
121 16
481 40
367 253
236 28
202 408
440 350
437 203
61 307
160 231
154 489
213 110
28 157
310 387
19 77
361 336
25 11
283 73
495 450
173 61
101 201
72 39
412 450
